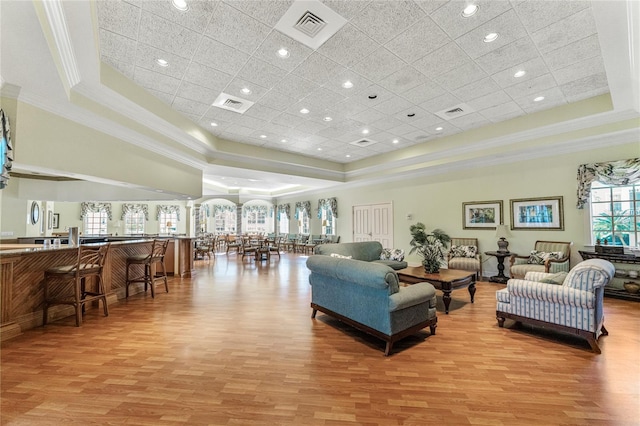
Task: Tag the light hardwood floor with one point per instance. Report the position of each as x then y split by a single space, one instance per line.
235 345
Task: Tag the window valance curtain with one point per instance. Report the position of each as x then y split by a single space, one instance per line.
328 203
135 208
621 172
167 210
258 209
286 209
86 208
303 206
222 208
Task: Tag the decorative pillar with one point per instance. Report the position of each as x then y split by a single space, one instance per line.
238 219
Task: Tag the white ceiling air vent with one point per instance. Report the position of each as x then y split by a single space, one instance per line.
363 142
232 103
455 111
310 22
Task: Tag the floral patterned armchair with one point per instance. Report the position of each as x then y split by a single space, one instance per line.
573 306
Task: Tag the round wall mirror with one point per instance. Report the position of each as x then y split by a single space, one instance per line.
35 213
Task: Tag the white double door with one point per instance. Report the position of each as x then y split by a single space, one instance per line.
373 222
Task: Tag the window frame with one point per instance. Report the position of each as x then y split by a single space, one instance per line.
614 206
92 218
164 218
132 222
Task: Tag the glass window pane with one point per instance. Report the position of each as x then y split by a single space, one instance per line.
603 194
622 193
598 209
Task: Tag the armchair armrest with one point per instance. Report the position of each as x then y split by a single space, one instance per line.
518 260
551 293
556 265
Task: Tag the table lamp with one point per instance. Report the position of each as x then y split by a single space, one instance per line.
502 232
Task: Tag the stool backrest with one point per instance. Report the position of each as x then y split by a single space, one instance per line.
91 258
159 248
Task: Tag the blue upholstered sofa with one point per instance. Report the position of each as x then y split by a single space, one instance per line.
368 296
368 251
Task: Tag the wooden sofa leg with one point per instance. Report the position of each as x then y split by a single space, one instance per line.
432 328
387 350
594 345
313 314
500 322
604 331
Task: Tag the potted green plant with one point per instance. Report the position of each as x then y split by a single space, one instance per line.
431 247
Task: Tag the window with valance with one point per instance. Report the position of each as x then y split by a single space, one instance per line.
225 218
284 216
303 215
94 217
327 213
168 217
612 191
6 150
134 217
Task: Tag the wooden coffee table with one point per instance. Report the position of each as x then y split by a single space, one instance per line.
446 280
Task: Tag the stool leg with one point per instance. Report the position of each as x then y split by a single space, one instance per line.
100 289
164 275
126 282
148 278
78 302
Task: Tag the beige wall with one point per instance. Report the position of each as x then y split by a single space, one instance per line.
437 200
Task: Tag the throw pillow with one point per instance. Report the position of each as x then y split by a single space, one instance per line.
555 278
392 254
385 254
463 251
539 257
397 254
340 256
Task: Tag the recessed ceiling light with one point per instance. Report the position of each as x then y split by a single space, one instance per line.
395 141
283 140
214 124
490 37
263 136
180 5
304 111
365 131
469 11
538 99
438 129
283 53
327 118
519 73
246 90
348 156
373 96
319 149
162 62
347 84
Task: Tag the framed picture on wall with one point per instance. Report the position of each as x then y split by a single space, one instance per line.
537 214
49 220
56 221
482 214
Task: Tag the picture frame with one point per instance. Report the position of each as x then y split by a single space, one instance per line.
56 221
545 213
482 214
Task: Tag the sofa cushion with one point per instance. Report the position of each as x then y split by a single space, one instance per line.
557 278
463 251
365 250
539 257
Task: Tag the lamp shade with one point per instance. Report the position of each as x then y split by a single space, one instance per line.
502 231
325 222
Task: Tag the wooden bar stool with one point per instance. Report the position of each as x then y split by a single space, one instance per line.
156 256
66 284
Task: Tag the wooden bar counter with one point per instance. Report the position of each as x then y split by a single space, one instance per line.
22 270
